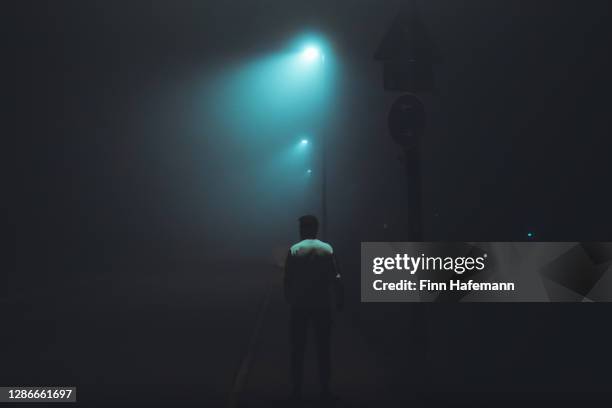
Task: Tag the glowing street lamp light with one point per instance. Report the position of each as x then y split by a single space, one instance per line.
311 54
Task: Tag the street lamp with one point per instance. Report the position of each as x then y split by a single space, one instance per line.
312 58
303 143
311 54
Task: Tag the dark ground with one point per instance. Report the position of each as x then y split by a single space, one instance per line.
145 339
152 338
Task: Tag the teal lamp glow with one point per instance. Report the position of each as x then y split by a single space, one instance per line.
311 54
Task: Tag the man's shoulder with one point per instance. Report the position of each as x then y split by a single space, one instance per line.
308 246
327 247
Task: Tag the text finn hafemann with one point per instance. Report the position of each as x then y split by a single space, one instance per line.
412 264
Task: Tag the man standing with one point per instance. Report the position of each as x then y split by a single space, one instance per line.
312 284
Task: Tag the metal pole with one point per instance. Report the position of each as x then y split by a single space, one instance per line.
323 189
412 163
324 181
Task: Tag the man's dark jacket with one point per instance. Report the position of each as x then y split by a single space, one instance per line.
312 279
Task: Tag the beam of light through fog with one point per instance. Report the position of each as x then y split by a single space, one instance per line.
263 120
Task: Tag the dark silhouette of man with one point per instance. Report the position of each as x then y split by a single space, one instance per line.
312 285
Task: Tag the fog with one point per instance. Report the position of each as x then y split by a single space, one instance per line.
158 132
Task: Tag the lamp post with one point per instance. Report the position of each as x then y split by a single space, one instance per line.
323 188
312 54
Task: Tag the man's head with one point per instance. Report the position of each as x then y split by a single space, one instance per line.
309 225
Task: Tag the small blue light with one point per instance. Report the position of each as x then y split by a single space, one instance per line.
309 171
530 234
304 142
